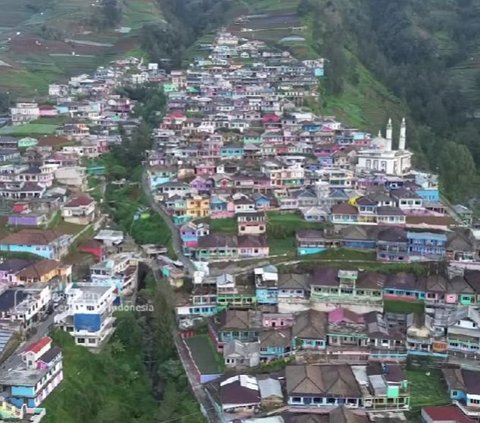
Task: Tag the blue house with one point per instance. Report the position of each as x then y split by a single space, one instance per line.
463 387
358 237
261 201
309 330
34 375
243 325
276 344
311 387
266 284
48 244
325 160
232 152
312 127
426 246
405 287
428 194
160 175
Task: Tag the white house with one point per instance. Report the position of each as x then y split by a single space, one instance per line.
89 313
79 210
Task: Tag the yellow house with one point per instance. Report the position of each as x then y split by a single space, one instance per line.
198 206
44 271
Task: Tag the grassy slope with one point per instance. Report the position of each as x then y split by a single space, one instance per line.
366 105
99 387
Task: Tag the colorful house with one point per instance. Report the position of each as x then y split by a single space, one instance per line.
310 329
463 389
198 206
158 175
266 284
49 243
228 325
275 344
333 286
35 375
322 386
426 246
221 208
190 233
404 286
230 293
252 223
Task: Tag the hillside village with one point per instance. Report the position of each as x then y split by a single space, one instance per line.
314 262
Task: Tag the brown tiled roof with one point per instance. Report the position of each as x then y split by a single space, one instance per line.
217 240
336 380
81 200
371 280
276 338
325 276
344 208
249 241
38 269
311 324
31 237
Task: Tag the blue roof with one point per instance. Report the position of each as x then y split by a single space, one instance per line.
426 235
5 337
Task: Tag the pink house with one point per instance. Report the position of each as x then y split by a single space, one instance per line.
277 320
343 315
270 118
221 208
48 111
205 169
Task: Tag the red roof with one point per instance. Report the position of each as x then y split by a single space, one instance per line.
39 345
20 207
176 114
82 200
448 413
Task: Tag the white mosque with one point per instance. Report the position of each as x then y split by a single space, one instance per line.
383 158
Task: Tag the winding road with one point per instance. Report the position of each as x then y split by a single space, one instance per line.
176 241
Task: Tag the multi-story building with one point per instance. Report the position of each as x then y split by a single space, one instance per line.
34 374
118 270
89 314
341 287
251 223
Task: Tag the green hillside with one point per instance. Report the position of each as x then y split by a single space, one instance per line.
48 40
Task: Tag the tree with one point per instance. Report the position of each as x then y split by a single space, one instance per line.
457 171
112 12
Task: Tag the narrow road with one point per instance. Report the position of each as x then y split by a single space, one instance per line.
176 241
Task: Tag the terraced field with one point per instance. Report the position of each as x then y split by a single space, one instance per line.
43 41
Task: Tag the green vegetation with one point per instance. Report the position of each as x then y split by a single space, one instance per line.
50 31
426 390
114 382
412 58
137 376
226 226
29 129
207 359
281 230
403 307
126 206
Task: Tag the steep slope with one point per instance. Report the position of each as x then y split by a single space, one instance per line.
425 54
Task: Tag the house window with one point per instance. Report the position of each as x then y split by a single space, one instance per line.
297 400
